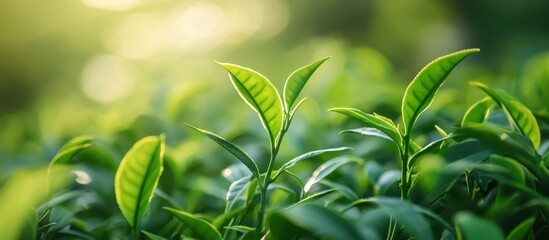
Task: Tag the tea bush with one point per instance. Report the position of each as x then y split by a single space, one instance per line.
400 176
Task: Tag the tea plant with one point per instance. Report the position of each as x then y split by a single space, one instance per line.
485 177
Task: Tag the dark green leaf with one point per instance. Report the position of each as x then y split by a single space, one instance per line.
478 112
202 228
260 94
327 168
233 149
519 114
236 192
523 230
137 177
152 236
306 156
373 120
471 227
312 219
297 80
421 91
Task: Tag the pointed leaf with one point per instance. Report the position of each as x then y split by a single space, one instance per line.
233 149
478 112
297 80
404 213
137 177
421 91
70 149
236 192
202 228
327 168
373 120
152 236
523 230
470 226
260 95
306 156
369 131
309 219
519 114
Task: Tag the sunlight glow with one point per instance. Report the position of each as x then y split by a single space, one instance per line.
107 78
119 5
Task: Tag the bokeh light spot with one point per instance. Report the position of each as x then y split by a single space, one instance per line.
107 78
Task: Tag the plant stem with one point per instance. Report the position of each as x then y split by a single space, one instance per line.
404 183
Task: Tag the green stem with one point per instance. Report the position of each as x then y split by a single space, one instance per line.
404 183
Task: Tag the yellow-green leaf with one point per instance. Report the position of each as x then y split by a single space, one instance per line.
421 91
517 113
297 80
478 112
260 94
137 177
200 227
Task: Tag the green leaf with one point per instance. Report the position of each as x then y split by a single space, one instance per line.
233 149
369 131
421 91
404 213
309 219
523 230
470 227
260 95
235 192
327 168
478 112
137 177
202 228
70 149
297 80
345 191
373 120
306 156
152 236
517 113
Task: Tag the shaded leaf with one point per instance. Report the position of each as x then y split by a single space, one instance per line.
260 95
377 121
235 192
345 191
470 227
478 112
306 156
404 213
309 219
202 228
152 236
137 177
327 168
523 230
70 149
517 113
297 80
421 91
233 149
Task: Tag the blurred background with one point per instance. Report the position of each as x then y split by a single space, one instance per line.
123 69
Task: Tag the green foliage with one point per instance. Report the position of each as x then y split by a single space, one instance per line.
481 173
137 177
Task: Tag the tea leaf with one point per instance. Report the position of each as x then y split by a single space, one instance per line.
305 156
478 112
152 236
369 131
404 213
233 149
70 149
202 228
523 230
327 168
377 121
235 192
137 177
421 91
307 219
260 95
470 226
297 80
519 114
